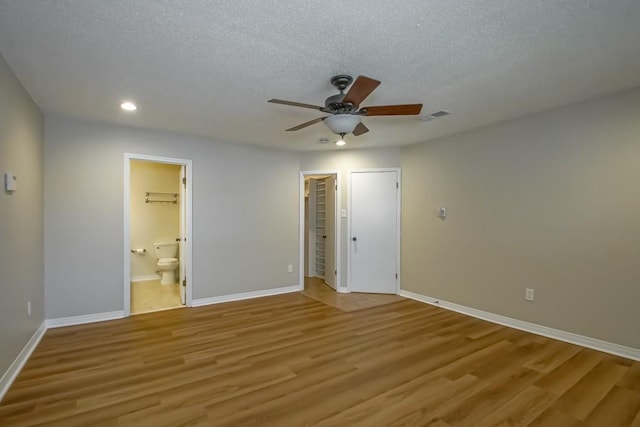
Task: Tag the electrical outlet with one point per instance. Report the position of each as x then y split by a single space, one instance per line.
28 308
290 268
528 294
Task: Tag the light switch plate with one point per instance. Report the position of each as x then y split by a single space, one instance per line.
10 182
529 294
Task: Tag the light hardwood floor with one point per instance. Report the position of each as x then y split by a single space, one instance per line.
316 288
290 360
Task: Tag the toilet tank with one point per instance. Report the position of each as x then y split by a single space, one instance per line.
166 250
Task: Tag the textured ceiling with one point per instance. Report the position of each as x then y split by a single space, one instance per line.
208 67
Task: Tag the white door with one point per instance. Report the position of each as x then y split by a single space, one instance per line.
183 234
330 232
374 232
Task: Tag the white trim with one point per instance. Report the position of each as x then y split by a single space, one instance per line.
127 228
127 234
245 295
338 224
581 340
86 318
398 228
398 172
14 369
145 277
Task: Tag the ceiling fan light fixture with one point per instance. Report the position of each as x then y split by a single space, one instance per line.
341 142
342 123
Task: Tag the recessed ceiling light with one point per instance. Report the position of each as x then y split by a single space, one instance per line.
128 106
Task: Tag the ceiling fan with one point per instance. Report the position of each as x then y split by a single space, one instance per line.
344 109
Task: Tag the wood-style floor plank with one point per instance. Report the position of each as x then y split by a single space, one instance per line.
587 393
291 360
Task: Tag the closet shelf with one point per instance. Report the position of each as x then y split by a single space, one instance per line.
152 197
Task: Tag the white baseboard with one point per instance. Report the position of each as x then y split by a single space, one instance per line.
145 277
12 373
581 340
87 318
343 290
244 295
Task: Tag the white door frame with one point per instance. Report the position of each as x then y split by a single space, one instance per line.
127 225
398 205
337 228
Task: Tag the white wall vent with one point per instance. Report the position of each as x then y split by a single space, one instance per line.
432 116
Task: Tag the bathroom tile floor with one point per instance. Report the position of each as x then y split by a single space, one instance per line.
150 296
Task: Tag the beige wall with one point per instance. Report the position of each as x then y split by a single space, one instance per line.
343 161
21 229
152 222
550 202
245 214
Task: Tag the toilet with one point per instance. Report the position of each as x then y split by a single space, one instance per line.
167 261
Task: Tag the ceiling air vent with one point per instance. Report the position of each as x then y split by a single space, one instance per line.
432 116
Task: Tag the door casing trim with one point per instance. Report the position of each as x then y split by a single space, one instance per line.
127 223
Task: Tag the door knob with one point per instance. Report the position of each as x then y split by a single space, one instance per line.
324 237
354 238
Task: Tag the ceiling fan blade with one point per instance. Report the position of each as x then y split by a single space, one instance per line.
393 110
360 129
362 88
296 104
305 124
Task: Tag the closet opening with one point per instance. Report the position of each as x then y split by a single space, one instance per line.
320 225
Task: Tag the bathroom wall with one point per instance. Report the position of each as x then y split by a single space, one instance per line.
343 161
245 213
550 201
21 214
152 222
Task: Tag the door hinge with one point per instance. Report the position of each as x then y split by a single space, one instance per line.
335 272
184 181
184 281
396 276
336 186
397 185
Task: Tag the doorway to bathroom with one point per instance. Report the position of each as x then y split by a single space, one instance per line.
320 231
157 233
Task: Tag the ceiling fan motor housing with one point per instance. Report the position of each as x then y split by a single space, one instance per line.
335 105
